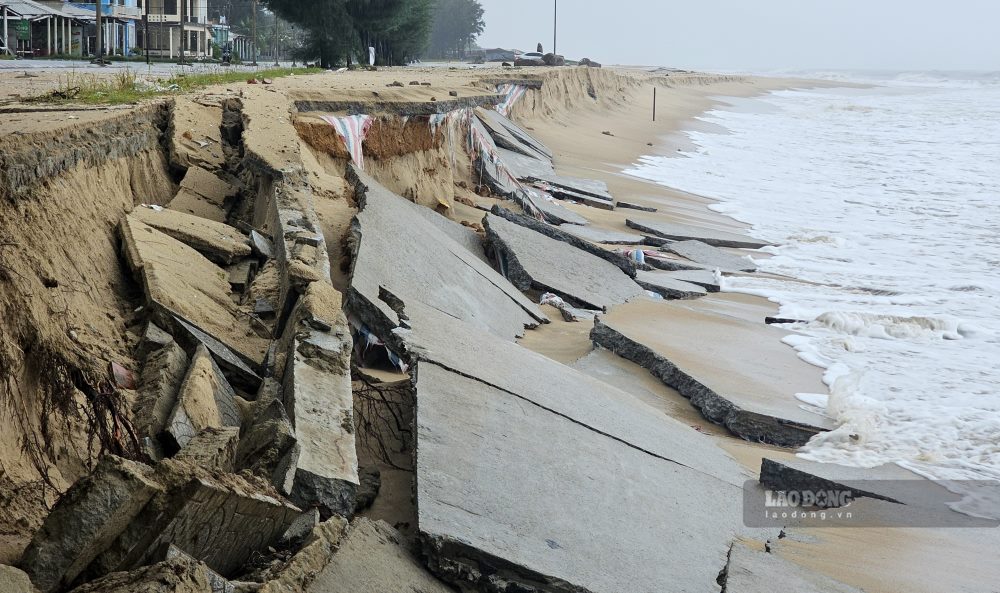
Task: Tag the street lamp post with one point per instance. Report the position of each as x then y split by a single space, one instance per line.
555 26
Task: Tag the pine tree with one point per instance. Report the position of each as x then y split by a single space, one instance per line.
457 23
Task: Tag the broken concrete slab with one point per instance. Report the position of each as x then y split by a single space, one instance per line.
213 449
667 286
707 279
605 236
220 519
13 580
561 233
153 339
205 195
241 275
195 137
181 283
750 571
462 235
161 379
86 520
711 257
365 557
220 243
752 396
205 400
177 575
318 399
542 173
236 368
400 251
268 446
531 260
685 232
575 444
532 198
478 534
511 136
629 206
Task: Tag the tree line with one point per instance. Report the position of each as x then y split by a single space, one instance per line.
339 32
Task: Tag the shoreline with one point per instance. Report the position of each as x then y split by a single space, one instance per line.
900 551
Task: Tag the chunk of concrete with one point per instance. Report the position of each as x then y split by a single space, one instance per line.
532 199
685 232
205 400
212 449
750 571
219 519
13 580
86 520
153 339
195 135
159 383
605 236
178 575
220 243
542 174
236 368
397 249
532 260
205 195
216 583
668 287
738 374
562 233
268 446
711 257
319 400
366 557
180 284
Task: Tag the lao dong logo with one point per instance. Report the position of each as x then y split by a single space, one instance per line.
811 499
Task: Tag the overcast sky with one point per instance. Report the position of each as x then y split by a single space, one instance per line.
758 34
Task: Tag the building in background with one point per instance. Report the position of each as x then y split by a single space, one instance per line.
165 28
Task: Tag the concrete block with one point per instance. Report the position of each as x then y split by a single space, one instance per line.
220 243
667 286
213 449
159 383
153 339
687 232
750 571
205 400
13 580
178 575
711 257
86 520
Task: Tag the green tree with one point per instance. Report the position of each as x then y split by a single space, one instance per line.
457 24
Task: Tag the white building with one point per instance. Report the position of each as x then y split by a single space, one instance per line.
165 28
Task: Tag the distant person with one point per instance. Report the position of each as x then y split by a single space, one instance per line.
540 50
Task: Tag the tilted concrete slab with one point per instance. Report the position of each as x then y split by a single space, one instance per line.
575 443
216 583
511 136
462 235
605 236
685 232
319 402
213 449
195 135
704 278
711 257
204 194
552 212
750 571
529 170
738 374
179 281
397 249
205 400
219 519
665 285
268 446
161 379
532 260
365 557
561 233
86 520
13 580
220 243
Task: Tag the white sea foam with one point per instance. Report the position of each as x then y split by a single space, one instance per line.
886 203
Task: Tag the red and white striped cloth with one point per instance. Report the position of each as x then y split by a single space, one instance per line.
511 93
353 129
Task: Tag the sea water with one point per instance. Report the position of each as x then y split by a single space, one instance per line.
884 208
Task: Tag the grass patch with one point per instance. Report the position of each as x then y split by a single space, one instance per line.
127 86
